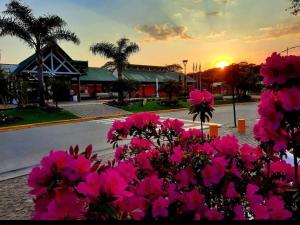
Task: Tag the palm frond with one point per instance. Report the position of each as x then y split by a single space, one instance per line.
52 22
20 12
10 27
105 49
62 34
132 48
122 44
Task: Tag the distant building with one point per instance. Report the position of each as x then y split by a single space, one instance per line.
89 81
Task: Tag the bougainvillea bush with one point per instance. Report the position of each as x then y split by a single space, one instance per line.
162 171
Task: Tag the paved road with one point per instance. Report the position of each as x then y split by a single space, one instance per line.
20 150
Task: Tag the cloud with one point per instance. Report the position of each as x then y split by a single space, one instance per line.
162 31
214 13
278 31
224 1
216 35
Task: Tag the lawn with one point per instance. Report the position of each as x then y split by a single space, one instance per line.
155 106
30 116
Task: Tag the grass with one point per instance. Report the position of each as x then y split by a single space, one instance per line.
31 116
155 106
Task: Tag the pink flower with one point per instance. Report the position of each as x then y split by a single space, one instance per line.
197 97
230 191
173 195
172 125
272 70
282 167
192 200
213 214
109 183
290 98
127 171
239 212
251 195
143 161
114 183
185 177
192 135
66 205
260 212
140 143
142 120
250 154
177 155
39 181
235 170
227 145
212 174
91 187
78 168
119 152
135 206
118 128
150 186
160 207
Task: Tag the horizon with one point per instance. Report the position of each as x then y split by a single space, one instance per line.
207 32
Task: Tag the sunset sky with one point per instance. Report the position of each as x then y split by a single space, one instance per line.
168 31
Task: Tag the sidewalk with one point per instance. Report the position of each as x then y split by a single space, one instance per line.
91 109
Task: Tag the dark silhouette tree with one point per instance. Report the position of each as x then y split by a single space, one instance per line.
37 32
170 87
295 7
119 54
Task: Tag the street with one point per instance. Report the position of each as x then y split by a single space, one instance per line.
22 149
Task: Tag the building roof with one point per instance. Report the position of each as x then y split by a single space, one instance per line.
8 68
95 74
79 67
98 74
150 76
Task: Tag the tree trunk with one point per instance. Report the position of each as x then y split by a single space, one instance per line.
120 91
233 104
39 60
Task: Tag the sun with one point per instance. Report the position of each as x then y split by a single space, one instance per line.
222 64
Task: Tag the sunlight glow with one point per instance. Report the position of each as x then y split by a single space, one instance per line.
222 64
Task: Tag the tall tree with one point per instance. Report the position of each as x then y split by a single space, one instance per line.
118 53
295 7
37 32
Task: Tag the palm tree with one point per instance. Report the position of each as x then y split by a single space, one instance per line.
36 32
119 55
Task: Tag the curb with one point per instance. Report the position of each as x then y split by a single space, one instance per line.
84 119
27 126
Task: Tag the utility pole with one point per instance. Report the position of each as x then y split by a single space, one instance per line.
200 77
185 61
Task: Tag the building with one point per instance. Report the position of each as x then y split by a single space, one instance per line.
89 82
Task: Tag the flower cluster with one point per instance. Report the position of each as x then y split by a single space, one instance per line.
202 105
279 69
279 108
201 97
164 172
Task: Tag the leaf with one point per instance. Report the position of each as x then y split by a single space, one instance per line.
194 117
88 151
76 150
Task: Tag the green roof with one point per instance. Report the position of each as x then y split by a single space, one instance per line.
150 76
101 74
98 74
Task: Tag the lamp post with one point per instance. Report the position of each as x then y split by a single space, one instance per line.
185 61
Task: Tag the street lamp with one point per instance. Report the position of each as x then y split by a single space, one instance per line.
185 61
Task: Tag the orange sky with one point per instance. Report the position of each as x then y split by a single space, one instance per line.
168 31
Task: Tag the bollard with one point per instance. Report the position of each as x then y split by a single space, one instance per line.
242 126
213 130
